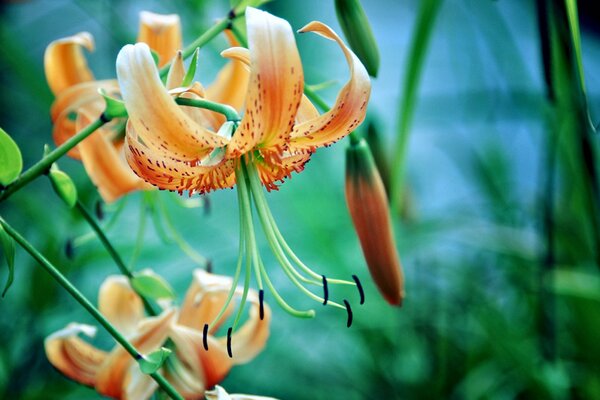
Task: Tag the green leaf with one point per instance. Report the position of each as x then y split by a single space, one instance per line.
576 284
155 57
240 5
150 285
115 108
63 186
8 248
152 362
191 72
11 162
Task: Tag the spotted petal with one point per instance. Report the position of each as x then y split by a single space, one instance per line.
349 109
154 115
72 356
65 64
162 33
275 87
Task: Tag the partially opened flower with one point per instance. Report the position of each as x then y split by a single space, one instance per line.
78 102
112 373
200 358
203 359
181 148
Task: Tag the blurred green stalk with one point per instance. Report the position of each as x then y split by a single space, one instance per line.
408 98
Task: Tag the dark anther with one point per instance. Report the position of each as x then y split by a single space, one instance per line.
229 343
325 291
69 250
349 311
261 296
229 24
104 118
361 292
209 266
205 337
138 356
99 210
231 14
206 205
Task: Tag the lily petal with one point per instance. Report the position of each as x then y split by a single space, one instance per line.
120 304
218 393
72 356
161 123
67 104
139 386
157 168
65 64
176 72
273 170
188 384
162 33
350 106
105 165
275 87
151 333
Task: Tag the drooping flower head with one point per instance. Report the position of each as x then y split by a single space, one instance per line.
78 102
199 360
192 149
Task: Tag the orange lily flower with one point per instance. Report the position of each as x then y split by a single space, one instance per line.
78 102
182 148
218 393
191 368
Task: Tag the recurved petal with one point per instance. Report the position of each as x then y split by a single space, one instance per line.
251 338
65 108
275 87
350 106
155 116
162 33
150 334
138 386
105 164
204 299
189 384
273 170
161 170
65 64
72 356
120 304
210 365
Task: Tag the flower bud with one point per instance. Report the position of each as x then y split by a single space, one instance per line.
354 23
368 205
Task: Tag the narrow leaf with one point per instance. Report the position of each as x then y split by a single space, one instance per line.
191 72
152 362
8 248
114 108
150 285
11 162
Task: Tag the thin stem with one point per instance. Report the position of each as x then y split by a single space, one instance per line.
85 303
42 166
81 240
228 111
111 250
176 236
289 270
246 214
206 37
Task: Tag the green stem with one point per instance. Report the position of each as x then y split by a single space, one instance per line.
418 50
139 240
111 250
206 37
42 166
85 303
228 111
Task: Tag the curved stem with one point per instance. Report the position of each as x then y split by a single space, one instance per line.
229 112
81 299
42 166
111 250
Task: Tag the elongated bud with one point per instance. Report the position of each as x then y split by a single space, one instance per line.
368 205
357 30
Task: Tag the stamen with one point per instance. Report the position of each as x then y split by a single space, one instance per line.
205 337
325 291
229 342
349 311
361 292
261 295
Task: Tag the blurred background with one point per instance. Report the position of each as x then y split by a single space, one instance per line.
495 231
